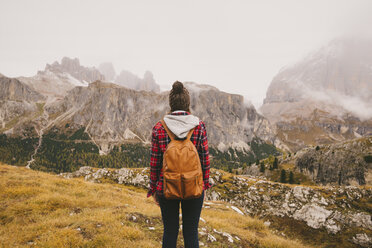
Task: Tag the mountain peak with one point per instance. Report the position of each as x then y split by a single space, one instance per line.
73 67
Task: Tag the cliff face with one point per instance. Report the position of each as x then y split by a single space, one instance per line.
113 114
231 121
11 89
18 104
110 113
326 97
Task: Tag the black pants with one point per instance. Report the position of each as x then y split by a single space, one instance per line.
190 220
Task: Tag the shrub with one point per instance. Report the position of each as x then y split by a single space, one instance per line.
368 158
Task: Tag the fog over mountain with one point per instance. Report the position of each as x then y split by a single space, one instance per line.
338 74
108 70
325 97
129 79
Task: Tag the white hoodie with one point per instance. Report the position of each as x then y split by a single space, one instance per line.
180 125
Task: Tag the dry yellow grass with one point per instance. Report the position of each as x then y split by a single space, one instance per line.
43 210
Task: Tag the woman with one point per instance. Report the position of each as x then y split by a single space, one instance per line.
179 122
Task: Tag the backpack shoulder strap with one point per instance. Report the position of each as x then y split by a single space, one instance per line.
190 133
170 134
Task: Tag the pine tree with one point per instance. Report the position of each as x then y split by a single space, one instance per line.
275 163
257 162
262 167
283 178
291 179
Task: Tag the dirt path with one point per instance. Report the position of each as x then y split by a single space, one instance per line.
44 120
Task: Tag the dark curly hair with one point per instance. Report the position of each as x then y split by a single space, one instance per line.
179 97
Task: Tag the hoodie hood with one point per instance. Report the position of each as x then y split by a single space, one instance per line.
180 125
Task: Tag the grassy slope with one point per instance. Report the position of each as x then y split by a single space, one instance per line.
43 210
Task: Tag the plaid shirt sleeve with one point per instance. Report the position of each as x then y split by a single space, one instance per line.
204 154
155 162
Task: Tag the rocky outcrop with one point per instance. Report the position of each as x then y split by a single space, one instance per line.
334 210
342 163
73 67
132 81
134 176
325 97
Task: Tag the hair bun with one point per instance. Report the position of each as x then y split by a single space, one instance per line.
177 87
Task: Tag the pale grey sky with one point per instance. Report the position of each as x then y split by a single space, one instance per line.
237 46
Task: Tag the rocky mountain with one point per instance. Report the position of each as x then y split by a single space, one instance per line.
112 114
102 118
107 116
325 97
58 78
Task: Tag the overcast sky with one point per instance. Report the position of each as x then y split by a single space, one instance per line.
237 46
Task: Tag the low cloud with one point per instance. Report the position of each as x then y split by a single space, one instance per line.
357 106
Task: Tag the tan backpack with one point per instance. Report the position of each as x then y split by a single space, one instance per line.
182 172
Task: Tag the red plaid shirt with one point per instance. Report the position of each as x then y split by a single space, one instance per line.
160 140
